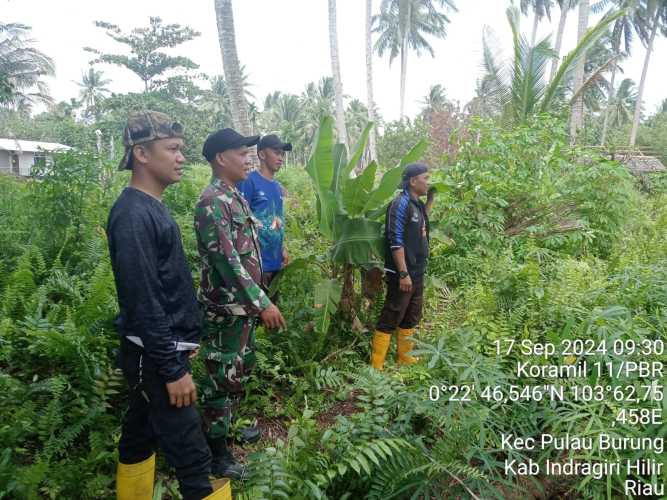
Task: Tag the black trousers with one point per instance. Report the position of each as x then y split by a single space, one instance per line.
152 423
401 309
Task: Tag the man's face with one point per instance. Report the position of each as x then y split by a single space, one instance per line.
419 184
236 163
162 159
272 158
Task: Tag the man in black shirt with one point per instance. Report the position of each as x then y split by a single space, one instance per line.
406 255
159 321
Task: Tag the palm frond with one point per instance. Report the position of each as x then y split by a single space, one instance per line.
570 59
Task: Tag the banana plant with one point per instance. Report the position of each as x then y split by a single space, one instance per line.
350 210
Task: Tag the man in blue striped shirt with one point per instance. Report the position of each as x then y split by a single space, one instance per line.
406 255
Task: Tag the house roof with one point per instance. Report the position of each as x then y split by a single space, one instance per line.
642 164
30 146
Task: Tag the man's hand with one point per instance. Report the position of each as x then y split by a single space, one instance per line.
182 392
405 284
272 318
194 353
285 257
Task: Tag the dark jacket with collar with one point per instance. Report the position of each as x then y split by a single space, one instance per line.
407 226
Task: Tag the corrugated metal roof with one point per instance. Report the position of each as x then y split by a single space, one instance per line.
30 146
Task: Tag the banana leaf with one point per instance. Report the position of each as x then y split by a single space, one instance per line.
327 297
392 178
320 168
358 152
356 191
339 165
357 241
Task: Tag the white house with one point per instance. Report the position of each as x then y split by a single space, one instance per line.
18 157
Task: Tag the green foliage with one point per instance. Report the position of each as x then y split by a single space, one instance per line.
22 67
148 60
526 190
531 240
520 85
398 138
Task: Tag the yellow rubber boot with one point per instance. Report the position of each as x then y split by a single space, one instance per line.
379 349
135 481
405 344
222 490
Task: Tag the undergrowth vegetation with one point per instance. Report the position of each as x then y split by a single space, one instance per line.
532 240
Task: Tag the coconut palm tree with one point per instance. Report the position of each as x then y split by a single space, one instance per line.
356 118
435 100
565 7
486 102
318 101
621 35
93 91
22 68
284 115
402 25
224 14
370 104
652 17
335 71
577 112
600 57
519 87
623 103
540 8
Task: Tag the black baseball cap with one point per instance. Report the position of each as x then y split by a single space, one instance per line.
225 139
273 141
412 170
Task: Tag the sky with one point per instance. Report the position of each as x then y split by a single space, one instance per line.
284 44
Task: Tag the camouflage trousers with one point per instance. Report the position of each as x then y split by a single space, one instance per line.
228 350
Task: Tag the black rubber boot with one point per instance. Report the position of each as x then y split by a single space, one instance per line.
223 463
249 434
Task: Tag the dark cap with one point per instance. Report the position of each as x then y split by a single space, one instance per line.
225 139
147 126
412 170
273 141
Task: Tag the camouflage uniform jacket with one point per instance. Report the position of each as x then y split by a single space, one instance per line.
229 250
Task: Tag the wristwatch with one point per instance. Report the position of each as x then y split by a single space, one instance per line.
403 274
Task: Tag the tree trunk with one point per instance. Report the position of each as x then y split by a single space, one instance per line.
404 20
369 81
559 40
640 92
404 70
230 62
335 69
536 22
347 296
610 101
577 114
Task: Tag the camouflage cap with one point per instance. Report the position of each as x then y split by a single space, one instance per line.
146 126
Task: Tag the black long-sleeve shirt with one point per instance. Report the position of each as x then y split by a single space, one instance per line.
155 291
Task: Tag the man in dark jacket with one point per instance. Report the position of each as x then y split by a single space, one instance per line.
159 321
407 238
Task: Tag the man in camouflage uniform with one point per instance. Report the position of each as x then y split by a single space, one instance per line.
230 290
